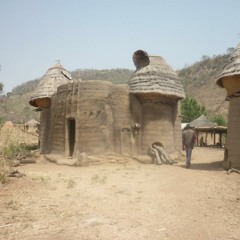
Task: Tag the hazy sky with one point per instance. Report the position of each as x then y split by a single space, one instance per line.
103 34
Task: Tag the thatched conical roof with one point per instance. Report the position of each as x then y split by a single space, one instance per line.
154 76
55 76
8 124
202 121
32 122
232 67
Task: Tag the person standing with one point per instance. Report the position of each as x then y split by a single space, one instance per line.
188 138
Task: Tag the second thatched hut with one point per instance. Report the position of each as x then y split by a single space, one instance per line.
230 80
155 91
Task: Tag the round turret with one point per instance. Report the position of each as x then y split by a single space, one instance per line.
53 78
154 79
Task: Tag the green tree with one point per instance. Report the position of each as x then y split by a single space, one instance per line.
1 87
1 90
205 57
219 120
191 110
230 50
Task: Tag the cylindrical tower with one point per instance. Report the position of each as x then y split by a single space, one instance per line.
42 98
230 80
159 89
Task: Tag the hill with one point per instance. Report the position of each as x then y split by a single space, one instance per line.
15 107
198 81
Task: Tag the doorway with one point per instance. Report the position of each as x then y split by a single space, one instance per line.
71 136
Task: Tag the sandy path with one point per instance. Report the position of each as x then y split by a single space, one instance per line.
123 201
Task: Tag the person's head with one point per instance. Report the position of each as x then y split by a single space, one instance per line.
187 126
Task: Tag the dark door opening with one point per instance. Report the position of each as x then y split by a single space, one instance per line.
71 136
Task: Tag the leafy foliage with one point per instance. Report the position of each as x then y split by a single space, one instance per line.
12 149
1 87
191 110
219 120
1 90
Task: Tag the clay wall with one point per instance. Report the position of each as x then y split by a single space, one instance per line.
58 110
94 118
136 116
157 125
233 132
177 130
45 131
122 131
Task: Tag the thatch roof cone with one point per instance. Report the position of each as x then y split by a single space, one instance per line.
154 76
202 121
56 76
8 124
32 122
231 68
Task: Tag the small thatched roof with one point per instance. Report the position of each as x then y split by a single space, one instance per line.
232 67
154 76
202 121
55 76
8 124
32 122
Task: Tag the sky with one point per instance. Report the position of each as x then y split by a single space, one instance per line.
104 34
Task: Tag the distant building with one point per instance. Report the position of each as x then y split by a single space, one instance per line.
208 133
96 117
32 126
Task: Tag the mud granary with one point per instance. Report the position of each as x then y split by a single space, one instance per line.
97 117
230 80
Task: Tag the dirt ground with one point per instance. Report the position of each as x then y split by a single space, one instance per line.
126 200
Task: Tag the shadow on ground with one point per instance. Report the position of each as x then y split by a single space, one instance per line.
212 166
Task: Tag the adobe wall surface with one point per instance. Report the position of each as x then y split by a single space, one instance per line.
136 118
58 109
102 117
122 131
157 125
177 130
94 118
100 111
233 132
45 131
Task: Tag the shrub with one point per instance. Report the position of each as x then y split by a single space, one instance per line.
8 153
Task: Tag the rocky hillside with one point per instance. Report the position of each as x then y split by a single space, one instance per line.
198 81
15 107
